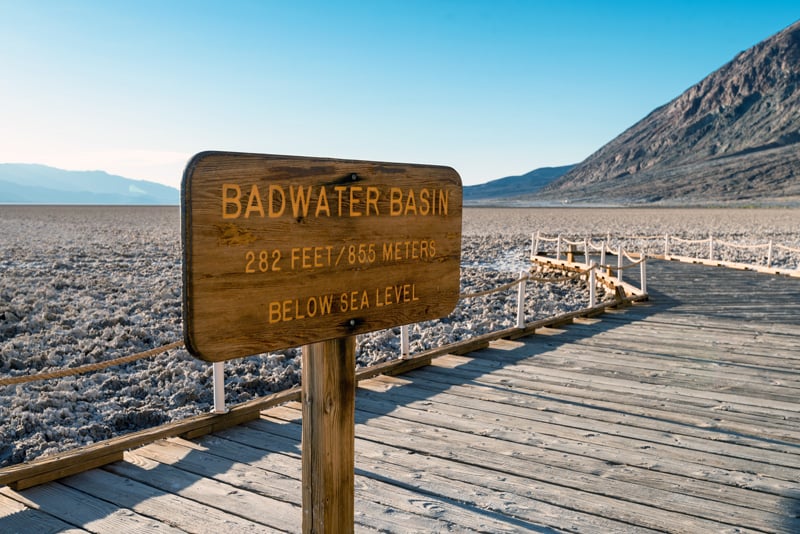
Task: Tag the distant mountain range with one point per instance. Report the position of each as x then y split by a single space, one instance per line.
38 184
512 186
733 137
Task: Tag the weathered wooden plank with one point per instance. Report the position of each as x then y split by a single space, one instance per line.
160 505
740 347
16 518
258 508
737 340
517 459
745 404
253 469
747 374
372 497
707 262
485 409
399 467
764 384
520 497
643 462
705 414
609 417
91 513
63 469
719 345
524 458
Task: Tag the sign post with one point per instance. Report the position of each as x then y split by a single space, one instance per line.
283 251
328 446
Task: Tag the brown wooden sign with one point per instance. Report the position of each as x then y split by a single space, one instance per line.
282 251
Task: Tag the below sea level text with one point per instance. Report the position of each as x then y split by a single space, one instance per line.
349 301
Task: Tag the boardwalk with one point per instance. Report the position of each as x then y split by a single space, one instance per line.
677 415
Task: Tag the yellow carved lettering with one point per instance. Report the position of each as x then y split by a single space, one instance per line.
275 312
340 189
373 194
322 203
354 200
411 203
444 200
424 202
254 203
231 193
301 198
395 201
274 192
388 252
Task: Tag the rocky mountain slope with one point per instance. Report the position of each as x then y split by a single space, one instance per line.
512 186
734 136
38 184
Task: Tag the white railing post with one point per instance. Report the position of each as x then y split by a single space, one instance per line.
558 247
619 262
219 387
586 251
643 273
592 286
523 275
603 250
710 247
666 246
769 254
405 344
535 245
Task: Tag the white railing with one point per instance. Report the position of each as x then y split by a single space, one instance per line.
771 257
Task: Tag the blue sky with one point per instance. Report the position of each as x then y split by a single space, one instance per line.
490 88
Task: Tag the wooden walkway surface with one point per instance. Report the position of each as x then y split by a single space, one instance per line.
677 415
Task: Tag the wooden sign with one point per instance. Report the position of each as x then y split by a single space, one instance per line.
283 251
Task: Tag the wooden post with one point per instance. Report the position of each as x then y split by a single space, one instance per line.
592 285
666 246
535 245
558 247
329 392
619 263
405 344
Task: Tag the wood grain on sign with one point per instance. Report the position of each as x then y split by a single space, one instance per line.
282 251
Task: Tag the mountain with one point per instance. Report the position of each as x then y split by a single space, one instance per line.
734 136
38 184
513 186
